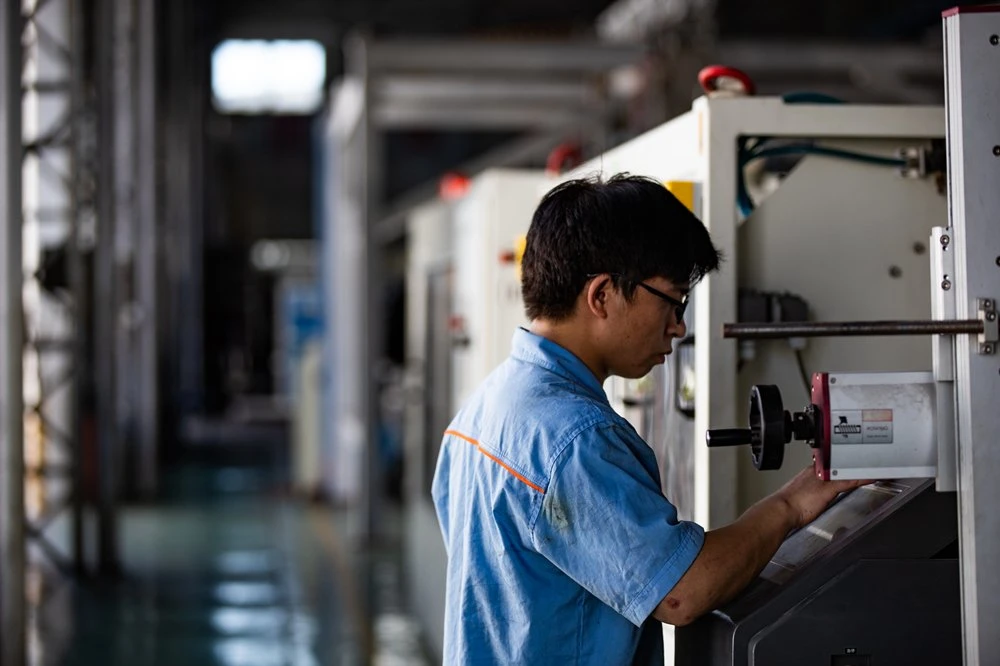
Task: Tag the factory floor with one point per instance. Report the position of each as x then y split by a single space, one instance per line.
228 570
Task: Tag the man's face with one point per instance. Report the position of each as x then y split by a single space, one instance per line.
645 328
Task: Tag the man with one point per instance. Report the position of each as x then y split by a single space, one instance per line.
561 546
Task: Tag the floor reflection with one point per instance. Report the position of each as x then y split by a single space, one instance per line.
223 574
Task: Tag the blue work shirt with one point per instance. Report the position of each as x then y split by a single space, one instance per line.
560 542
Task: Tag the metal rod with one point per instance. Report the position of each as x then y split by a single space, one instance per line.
12 617
775 331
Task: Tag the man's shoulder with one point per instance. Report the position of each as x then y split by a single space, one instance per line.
545 398
527 416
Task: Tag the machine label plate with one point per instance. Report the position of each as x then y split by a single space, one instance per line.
861 426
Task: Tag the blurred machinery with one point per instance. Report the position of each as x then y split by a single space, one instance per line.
489 224
545 93
428 386
296 356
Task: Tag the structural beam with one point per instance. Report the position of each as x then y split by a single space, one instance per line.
477 56
12 625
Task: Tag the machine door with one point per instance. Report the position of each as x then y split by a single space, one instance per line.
437 369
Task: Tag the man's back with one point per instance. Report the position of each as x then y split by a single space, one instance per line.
560 542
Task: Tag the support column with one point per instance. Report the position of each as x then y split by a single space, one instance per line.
11 399
972 96
147 249
105 292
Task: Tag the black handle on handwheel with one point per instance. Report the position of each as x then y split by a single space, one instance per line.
728 437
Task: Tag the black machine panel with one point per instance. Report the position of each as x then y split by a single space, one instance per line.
873 580
850 512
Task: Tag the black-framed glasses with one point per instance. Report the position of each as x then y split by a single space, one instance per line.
680 306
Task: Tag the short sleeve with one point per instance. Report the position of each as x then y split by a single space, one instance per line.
606 524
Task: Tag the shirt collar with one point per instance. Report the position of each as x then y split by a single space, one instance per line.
535 349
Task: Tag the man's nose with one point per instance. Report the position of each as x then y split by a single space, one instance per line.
679 330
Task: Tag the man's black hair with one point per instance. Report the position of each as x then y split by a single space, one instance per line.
628 225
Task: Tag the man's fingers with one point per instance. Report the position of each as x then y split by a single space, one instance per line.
851 485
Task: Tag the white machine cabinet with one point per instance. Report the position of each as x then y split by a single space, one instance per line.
489 220
847 235
428 404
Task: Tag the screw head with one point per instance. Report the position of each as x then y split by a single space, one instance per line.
833 473
987 303
833 380
919 248
994 39
998 261
996 150
946 285
945 239
987 348
991 316
895 271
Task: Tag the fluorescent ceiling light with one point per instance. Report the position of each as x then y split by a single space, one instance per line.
255 76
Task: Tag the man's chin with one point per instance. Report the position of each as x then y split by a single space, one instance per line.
658 360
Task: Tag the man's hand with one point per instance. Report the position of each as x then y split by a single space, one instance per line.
808 496
734 554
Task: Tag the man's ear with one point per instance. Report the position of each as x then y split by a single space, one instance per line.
597 294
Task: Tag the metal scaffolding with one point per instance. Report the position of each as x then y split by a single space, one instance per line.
51 367
79 184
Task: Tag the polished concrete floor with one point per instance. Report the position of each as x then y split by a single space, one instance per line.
227 571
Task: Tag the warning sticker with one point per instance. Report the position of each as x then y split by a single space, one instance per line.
861 426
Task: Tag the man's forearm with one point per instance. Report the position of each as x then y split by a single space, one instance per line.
731 557
747 545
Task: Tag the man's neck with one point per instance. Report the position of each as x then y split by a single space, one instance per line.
571 336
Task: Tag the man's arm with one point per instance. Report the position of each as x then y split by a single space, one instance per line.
733 555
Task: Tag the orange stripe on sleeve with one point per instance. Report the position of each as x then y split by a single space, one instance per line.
475 443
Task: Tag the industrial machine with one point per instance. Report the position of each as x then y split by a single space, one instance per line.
886 550
874 580
894 572
821 216
832 218
427 386
490 220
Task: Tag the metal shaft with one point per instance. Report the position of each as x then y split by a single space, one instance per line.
774 331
